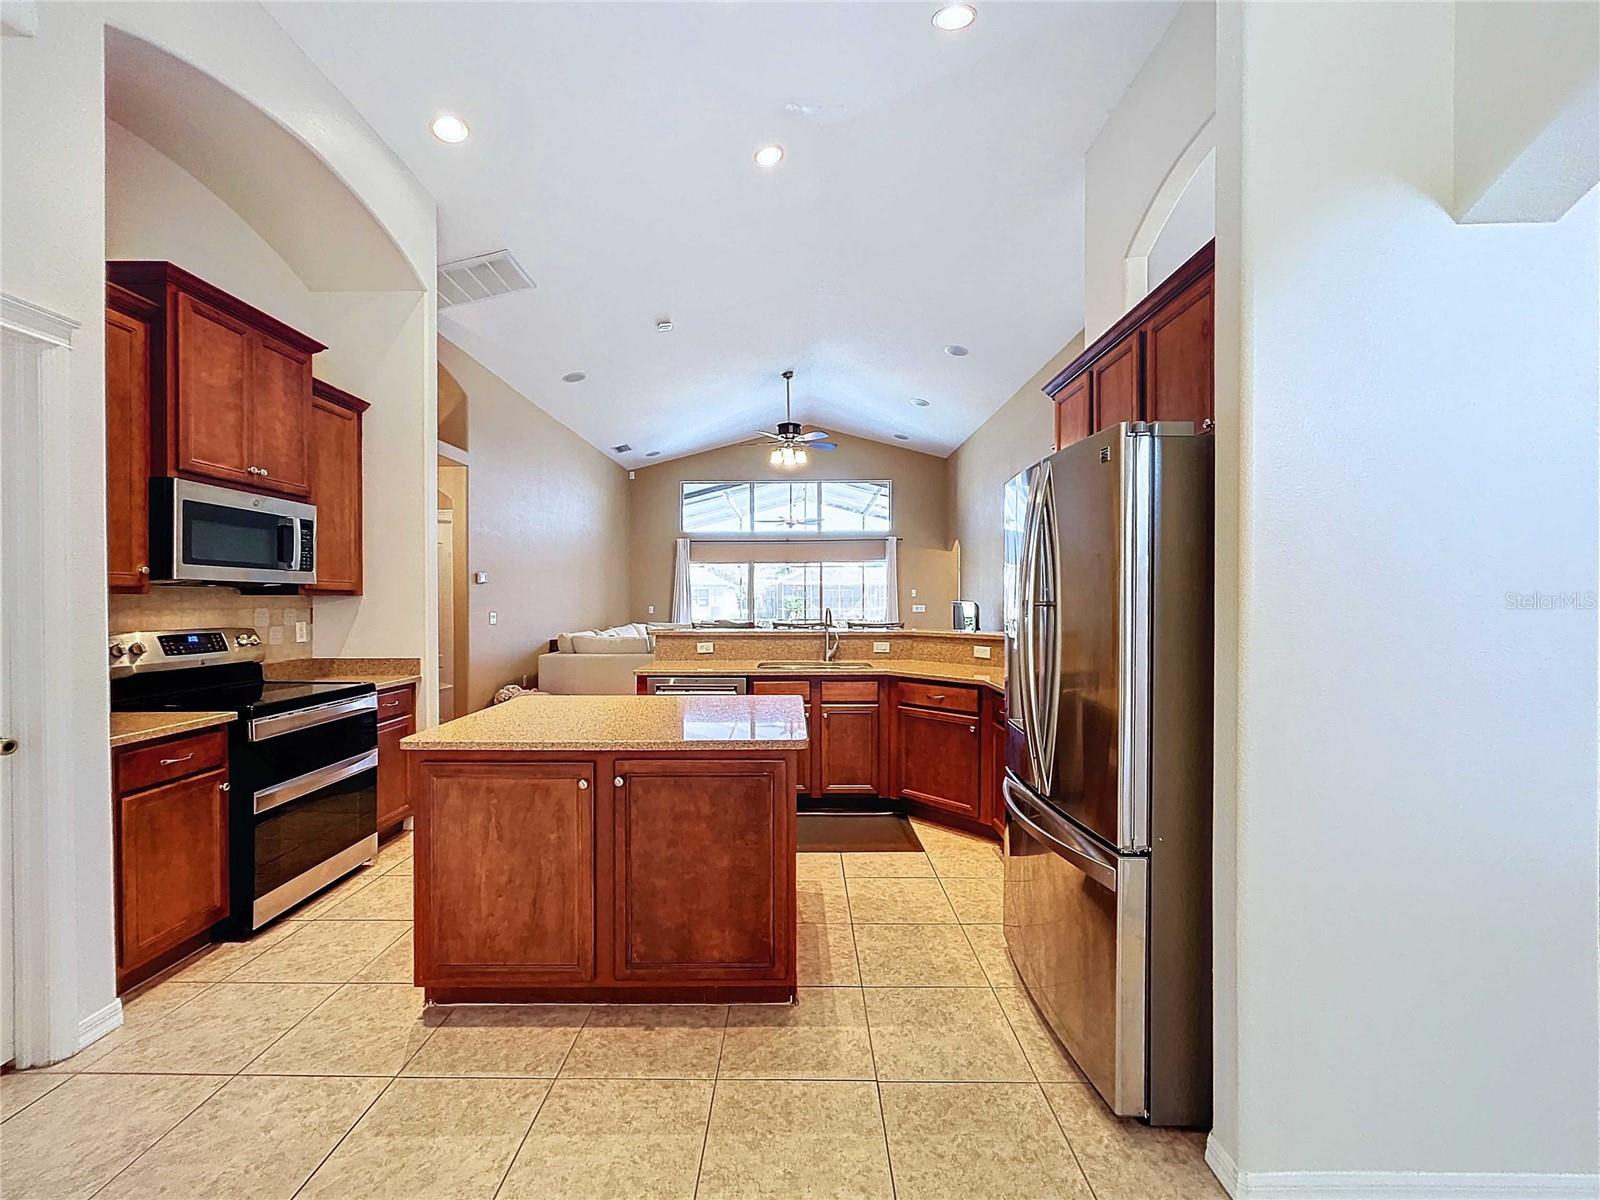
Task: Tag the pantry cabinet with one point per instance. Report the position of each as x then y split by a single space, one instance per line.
336 488
231 390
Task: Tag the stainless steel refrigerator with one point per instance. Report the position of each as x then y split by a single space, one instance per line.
1108 773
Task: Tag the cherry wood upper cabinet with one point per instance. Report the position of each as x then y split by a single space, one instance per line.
1179 348
1072 411
1154 364
128 384
1117 384
336 487
232 398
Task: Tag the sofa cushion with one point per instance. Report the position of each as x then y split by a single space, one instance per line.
606 643
564 641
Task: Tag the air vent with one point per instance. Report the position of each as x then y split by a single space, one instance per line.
468 280
622 449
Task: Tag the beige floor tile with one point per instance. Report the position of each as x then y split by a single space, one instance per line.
393 851
958 1035
887 865
362 1029
649 1151
256 1139
976 901
969 858
404 866
431 1139
70 1142
785 1139
822 1036
648 1041
818 866
322 952
18 1089
822 901
1045 1055
394 965
826 955
1125 1160
917 956
219 1031
955 1141
141 1012
387 898
506 1039
989 944
215 963
899 901
319 904
934 836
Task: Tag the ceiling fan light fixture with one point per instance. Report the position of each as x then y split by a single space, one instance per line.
776 458
799 458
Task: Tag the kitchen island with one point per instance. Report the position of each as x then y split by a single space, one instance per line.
624 849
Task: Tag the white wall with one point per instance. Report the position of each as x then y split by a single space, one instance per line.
1160 121
1416 764
52 253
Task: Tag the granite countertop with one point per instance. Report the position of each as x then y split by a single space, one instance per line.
978 673
130 728
380 672
548 722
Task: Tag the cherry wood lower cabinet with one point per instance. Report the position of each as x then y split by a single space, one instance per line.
170 831
558 876
937 759
396 719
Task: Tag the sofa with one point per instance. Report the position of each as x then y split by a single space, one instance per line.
596 662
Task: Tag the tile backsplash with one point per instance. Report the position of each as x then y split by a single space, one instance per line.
273 617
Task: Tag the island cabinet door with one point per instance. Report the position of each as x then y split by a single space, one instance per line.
505 873
704 870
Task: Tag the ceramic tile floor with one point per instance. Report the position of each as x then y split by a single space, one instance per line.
304 1064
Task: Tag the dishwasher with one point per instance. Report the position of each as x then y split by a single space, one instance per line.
696 685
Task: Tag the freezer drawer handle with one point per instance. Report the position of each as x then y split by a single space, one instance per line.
280 794
1065 843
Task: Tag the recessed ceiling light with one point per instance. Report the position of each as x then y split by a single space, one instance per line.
574 377
902 437
955 351
920 402
450 129
769 156
664 325
954 16
651 453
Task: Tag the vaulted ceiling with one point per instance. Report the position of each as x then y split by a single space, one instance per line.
930 193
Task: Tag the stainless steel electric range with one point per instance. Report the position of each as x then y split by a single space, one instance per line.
302 760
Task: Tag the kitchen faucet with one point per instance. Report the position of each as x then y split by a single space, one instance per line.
830 639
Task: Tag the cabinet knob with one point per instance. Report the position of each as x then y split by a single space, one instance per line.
972 729
1207 425
144 570
223 787
617 781
583 785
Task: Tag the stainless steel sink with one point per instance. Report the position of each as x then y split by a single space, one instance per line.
812 665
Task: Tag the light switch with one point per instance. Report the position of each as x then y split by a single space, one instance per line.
494 617
651 610
704 647
302 631
880 647
480 577
982 652
913 593
919 607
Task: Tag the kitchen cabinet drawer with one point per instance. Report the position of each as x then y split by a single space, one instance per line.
153 763
950 697
781 687
397 702
856 690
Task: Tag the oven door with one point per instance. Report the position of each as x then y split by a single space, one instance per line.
203 533
1075 924
312 812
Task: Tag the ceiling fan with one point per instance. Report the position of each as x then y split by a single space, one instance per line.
790 443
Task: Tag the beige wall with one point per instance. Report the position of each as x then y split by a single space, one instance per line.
1019 434
547 520
453 486
452 411
920 515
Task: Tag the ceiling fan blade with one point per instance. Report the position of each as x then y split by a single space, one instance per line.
822 445
765 434
816 435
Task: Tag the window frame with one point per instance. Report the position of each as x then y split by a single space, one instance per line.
822 565
809 535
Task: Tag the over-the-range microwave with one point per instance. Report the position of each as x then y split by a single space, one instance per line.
201 533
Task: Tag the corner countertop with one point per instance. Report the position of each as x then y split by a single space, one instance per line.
975 673
131 728
549 722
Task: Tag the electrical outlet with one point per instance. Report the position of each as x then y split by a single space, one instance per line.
480 577
704 647
302 631
494 617
880 647
913 593
275 636
919 608
982 652
263 618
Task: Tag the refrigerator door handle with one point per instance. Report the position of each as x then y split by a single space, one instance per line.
1092 861
1027 616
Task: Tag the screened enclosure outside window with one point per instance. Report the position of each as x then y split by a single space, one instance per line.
781 507
788 591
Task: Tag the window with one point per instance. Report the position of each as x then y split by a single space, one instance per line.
767 592
784 508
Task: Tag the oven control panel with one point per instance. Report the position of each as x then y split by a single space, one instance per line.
209 642
169 649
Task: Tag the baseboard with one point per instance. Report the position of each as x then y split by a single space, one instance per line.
1396 1185
1222 1166
97 1024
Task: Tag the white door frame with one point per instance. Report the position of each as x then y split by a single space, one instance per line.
35 439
